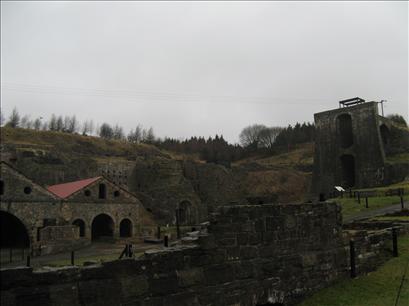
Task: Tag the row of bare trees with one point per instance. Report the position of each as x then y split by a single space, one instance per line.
70 124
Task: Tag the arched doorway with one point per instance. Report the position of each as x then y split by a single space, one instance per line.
102 226
344 125
385 134
13 232
184 213
81 224
125 228
348 170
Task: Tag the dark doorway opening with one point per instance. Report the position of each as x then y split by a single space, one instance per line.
184 212
102 226
1 187
344 123
348 171
125 228
13 232
102 194
385 134
81 224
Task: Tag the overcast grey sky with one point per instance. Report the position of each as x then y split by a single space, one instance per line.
201 68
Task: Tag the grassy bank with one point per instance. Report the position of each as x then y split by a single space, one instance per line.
379 288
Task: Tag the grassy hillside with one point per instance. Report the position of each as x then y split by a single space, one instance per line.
73 143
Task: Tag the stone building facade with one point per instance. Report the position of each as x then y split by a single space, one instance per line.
350 146
99 208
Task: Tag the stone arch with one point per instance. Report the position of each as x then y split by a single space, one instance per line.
102 226
13 231
385 134
185 212
125 228
81 224
345 133
348 170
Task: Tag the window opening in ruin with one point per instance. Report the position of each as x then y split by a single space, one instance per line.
385 134
87 193
116 193
13 233
1 187
81 224
348 171
27 190
102 191
344 123
125 228
102 226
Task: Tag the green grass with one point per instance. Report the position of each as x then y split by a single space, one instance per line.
350 206
391 218
378 288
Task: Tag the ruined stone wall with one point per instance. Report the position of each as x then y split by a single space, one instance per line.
252 255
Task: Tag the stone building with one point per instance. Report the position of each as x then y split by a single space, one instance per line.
351 147
74 213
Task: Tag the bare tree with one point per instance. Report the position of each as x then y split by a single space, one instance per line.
250 136
14 119
268 136
59 124
26 123
149 136
135 136
52 126
106 131
37 124
85 128
118 132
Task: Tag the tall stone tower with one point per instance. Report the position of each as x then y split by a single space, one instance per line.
349 147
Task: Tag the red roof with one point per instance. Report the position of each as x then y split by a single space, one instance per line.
67 189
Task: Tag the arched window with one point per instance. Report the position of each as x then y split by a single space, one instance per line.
81 224
102 191
1 187
125 228
344 125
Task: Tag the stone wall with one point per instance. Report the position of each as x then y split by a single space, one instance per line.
251 255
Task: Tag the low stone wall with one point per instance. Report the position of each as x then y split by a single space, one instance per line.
251 255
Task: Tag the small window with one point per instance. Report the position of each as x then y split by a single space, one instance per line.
87 193
102 191
1 187
27 190
116 193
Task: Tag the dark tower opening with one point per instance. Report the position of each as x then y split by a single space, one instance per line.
385 134
125 228
1 187
81 224
102 191
102 226
13 232
348 171
344 124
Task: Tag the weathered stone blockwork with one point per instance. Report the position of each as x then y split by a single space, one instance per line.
251 255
